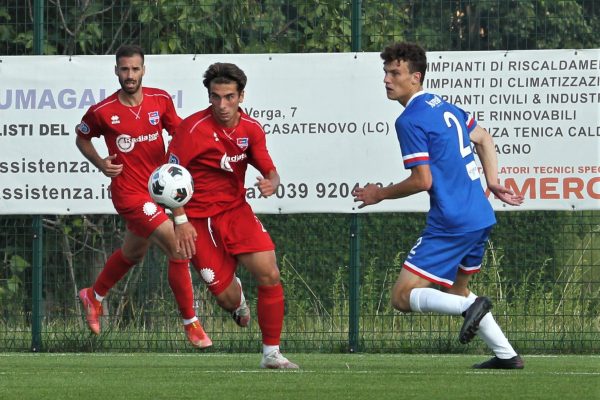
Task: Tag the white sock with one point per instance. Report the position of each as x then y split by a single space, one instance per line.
98 297
490 332
267 349
189 321
433 300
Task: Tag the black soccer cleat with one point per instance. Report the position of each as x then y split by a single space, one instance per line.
498 363
473 315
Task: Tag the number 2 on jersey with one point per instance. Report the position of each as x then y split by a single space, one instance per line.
450 118
464 150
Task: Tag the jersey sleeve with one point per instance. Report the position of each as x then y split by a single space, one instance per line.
170 119
183 147
470 122
89 127
259 155
413 143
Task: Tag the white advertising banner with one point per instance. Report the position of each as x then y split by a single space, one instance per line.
329 125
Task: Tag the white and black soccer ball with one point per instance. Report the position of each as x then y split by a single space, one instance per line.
171 185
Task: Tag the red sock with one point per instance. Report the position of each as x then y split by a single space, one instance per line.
270 313
180 281
115 269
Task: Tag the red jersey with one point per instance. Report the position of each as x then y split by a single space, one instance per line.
134 134
217 158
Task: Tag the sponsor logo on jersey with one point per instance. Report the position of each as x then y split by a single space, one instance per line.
153 117
242 143
434 101
83 128
115 120
226 161
126 143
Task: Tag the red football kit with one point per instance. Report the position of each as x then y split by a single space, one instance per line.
134 134
218 157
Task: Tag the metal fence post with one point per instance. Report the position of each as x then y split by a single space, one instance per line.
354 284
36 285
38 27
36 278
354 273
355 25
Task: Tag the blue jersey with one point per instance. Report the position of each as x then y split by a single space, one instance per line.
435 132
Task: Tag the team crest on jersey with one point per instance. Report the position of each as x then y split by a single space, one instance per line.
83 128
173 159
153 117
242 143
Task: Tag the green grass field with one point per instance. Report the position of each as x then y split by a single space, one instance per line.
323 376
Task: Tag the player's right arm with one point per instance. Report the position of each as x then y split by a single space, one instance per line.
420 180
105 165
185 233
182 149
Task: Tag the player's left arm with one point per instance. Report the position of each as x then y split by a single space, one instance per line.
268 184
260 159
170 119
484 144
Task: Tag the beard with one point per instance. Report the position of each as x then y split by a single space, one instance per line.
130 89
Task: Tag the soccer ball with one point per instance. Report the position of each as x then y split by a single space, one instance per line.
171 185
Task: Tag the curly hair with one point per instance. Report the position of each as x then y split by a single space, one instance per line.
412 53
225 73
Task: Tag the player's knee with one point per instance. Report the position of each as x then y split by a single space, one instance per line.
268 277
135 257
226 303
401 301
172 254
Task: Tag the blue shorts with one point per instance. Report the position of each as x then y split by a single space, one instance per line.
437 256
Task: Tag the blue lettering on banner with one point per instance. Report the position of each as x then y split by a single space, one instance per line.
48 99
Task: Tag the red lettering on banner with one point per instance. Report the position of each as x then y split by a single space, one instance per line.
547 187
554 188
590 188
573 185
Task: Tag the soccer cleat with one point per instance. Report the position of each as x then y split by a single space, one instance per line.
473 315
498 363
197 336
275 360
92 308
241 315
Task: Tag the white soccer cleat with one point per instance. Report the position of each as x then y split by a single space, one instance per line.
275 360
241 315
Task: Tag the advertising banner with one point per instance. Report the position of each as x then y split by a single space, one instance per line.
329 125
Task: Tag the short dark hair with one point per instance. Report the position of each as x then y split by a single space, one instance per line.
225 73
129 50
412 53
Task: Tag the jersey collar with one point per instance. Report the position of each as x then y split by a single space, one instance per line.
420 92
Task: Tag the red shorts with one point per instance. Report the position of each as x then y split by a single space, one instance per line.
142 215
221 238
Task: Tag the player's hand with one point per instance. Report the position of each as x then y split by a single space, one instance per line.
506 195
109 169
368 195
185 237
265 186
